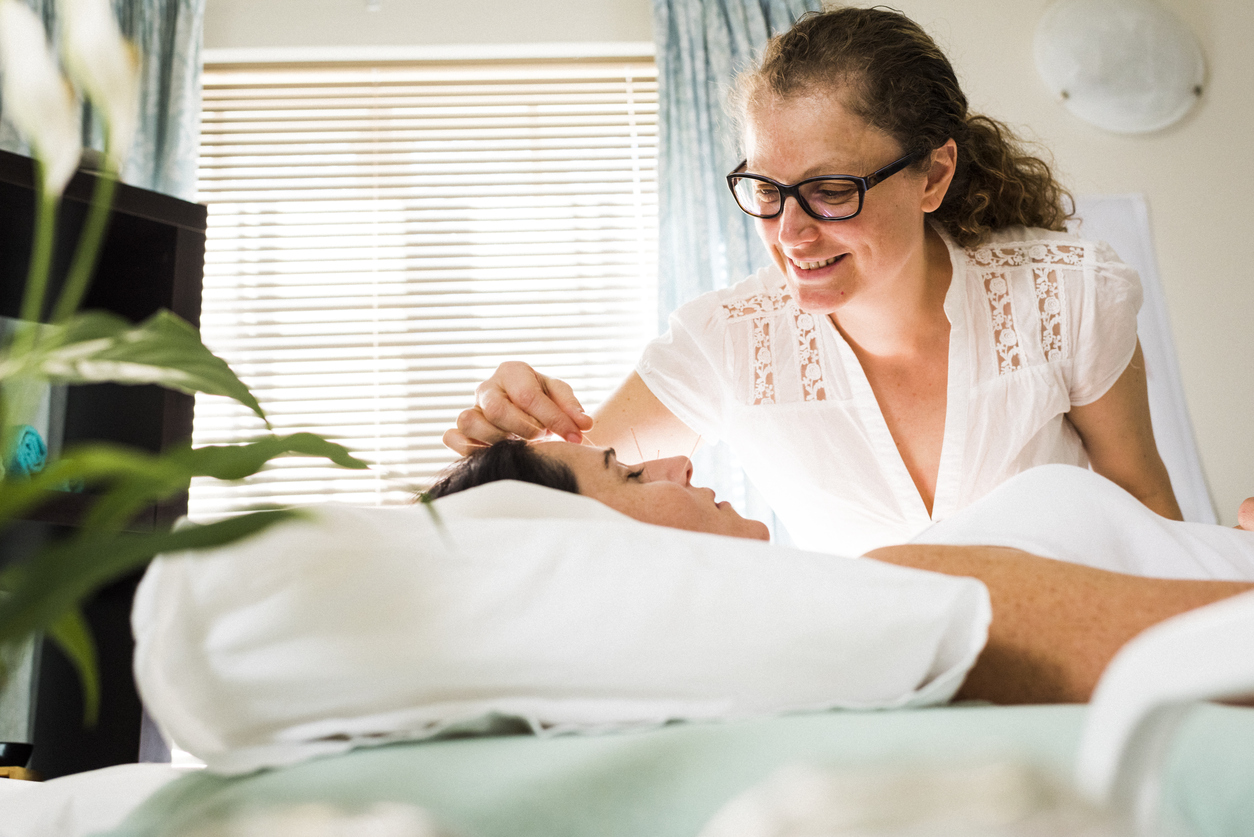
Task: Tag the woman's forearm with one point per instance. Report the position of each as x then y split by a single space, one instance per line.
639 426
1119 439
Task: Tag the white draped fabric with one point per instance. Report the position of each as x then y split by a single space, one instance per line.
1122 221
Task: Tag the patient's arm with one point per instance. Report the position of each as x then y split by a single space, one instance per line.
1055 625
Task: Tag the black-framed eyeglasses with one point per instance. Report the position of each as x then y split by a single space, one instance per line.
834 197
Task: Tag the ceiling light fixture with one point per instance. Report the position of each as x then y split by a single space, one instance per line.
1128 66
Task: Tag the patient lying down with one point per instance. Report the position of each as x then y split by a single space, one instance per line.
1057 621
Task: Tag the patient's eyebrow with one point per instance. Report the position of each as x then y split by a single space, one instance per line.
609 455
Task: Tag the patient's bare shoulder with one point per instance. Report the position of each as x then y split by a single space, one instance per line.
1245 515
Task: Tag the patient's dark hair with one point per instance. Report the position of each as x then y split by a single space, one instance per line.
510 459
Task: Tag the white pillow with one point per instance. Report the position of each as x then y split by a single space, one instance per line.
370 625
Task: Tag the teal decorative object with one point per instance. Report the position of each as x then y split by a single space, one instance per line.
29 454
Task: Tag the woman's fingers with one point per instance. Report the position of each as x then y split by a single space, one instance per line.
571 411
459 442
1245 515
476 430
496 418
518 402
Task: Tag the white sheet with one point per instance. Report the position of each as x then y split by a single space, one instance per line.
369 625
79 804
1072 514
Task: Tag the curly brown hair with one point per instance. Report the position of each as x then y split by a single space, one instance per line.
895 77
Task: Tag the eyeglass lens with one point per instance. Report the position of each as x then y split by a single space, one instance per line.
827 198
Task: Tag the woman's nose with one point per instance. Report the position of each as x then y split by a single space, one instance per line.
795 225
677 469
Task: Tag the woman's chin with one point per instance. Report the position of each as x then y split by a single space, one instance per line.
817 299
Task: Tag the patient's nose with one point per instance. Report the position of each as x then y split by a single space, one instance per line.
672 469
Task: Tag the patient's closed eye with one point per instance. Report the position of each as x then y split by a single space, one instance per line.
612 457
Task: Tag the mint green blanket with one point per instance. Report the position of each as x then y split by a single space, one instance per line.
669 782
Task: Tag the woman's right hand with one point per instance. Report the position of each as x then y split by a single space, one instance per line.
517 401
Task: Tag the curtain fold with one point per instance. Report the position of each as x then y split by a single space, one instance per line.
704 241
168 34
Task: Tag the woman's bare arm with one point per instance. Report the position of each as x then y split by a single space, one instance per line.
1119 438
639 426
1055 625
518 401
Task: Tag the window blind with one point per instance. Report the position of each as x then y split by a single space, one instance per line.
382 236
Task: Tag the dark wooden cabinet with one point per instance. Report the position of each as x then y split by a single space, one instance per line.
152 258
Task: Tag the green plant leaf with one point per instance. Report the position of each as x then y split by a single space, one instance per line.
71 634
62 575
97 347
233 462
174 470
127 480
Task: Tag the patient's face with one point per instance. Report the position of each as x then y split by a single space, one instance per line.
659 491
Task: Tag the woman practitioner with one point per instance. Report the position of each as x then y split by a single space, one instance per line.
1056 623
927 330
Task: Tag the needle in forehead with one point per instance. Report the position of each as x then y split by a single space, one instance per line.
637 441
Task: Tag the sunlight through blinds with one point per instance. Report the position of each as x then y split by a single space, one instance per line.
381 237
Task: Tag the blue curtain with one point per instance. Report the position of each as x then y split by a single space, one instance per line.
704 241
168 34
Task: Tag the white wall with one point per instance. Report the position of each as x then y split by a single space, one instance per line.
301 23
1197 174
1198 184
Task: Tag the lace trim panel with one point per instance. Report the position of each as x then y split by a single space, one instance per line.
810 368
1048 292
1044 258
812 388
756 305
763 362
1005 338
1019 255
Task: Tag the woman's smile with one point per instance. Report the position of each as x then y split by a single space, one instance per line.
812 266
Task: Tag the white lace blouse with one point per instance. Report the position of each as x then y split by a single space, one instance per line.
1039 321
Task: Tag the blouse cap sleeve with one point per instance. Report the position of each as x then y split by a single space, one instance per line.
1103 323
684 368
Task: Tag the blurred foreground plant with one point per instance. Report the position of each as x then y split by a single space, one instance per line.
45 591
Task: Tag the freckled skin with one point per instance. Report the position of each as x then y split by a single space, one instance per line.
881 252
1056 625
